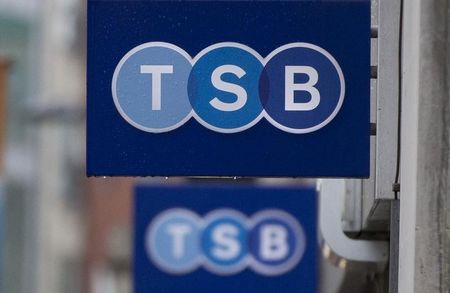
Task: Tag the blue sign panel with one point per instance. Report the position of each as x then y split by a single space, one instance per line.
225 239
228 88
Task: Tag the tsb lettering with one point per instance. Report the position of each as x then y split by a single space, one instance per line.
228 87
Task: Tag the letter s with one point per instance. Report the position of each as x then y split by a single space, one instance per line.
218 83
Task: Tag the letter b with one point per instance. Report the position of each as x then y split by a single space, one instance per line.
273 244
291 87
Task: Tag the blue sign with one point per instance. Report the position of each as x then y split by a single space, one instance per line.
225 238
203 88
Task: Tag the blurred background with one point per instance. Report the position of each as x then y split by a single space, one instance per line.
49 237
60 231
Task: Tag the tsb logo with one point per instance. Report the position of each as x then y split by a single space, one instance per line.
225 242
228 87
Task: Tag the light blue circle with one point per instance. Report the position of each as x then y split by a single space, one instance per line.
171 250
132 87
202 90
225 252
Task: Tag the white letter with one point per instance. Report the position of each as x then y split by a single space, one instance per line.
274 244
225 236
156 71
178 232
228 87
291 87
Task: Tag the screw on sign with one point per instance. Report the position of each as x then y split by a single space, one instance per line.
228 87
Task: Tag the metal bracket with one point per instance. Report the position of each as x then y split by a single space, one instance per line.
343 251
387 98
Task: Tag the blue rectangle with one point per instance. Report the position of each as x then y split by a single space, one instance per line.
120 141
158 209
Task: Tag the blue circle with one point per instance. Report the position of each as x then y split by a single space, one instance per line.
245 76
276 243
329 85
133 87
224 244
173 241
